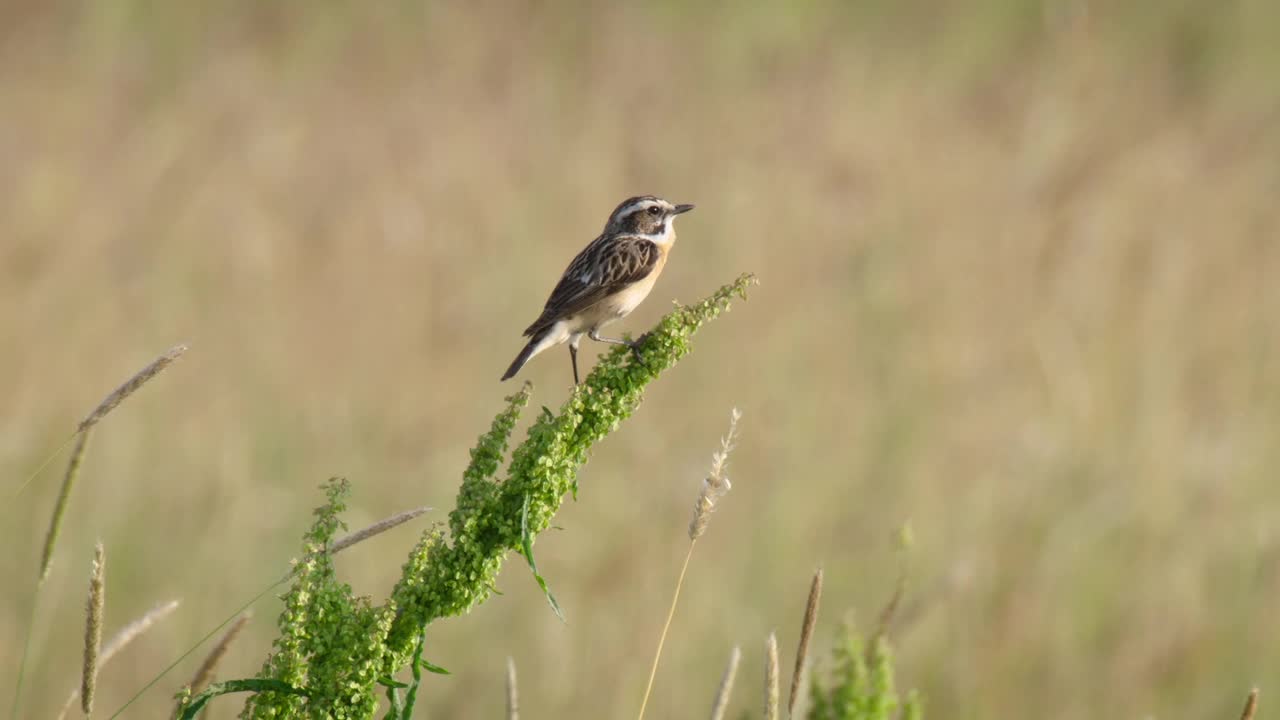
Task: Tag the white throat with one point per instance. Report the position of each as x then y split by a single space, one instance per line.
666 235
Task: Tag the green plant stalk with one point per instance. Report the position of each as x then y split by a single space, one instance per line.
411 695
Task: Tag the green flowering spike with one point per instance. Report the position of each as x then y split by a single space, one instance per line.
486 457
543 469
330 643
312 593
859 683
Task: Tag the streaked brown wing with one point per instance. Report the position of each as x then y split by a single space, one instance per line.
603 268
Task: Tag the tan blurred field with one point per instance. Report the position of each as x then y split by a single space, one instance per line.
1018 285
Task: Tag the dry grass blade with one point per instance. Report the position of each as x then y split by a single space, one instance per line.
94 608
130 386
806 632
513 700
1250 705
714 486
721 704
377 528
119 641
771 692
205 672
60 506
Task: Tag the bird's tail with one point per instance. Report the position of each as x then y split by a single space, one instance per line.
522 358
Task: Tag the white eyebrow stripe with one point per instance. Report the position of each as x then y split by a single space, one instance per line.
637 207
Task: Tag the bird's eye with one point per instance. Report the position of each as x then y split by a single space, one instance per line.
654 210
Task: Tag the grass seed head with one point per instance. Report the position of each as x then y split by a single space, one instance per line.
721 704
119 641
771 693
130 386
513 699
377 528
806 633
716 484
64 498
94 607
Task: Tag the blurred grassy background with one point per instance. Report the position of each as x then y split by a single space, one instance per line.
1019 269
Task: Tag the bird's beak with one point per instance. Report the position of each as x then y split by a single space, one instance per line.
681 209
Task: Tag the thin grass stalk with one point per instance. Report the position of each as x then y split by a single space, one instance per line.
806 633
513 698
721 704
714 486
40 468
94 608
890 609
119 642
666 626
771 693
26 649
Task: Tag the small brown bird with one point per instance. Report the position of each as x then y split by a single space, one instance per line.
607 280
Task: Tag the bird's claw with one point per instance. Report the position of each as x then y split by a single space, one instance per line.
635 346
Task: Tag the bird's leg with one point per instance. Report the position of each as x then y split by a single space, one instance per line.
573 357
633 344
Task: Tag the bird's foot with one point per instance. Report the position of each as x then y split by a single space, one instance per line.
635 346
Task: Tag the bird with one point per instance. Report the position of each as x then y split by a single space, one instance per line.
606 281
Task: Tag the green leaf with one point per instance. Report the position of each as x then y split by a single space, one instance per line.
390 682
526 544
433 668
198 701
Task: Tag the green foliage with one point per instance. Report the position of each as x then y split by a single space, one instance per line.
859 683
335 650
330 641
526 548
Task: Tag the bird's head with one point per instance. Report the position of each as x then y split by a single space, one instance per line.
645 215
